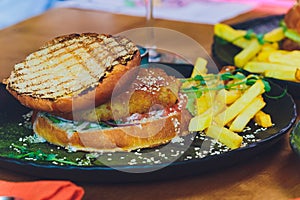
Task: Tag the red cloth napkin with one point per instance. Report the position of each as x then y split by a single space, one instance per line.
42 190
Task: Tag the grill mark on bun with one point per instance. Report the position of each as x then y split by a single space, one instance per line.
69 65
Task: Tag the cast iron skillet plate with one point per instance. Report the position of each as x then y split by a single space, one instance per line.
223 53
193 161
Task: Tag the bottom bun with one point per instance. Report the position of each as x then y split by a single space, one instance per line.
95 137
290 45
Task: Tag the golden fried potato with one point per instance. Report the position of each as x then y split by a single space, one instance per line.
225 136
263 119
241 121
234 109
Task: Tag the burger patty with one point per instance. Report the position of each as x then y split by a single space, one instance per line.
153 89
140 102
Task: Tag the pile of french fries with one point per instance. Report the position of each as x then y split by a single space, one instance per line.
262 56
223 114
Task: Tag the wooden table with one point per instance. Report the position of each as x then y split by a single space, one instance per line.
274 174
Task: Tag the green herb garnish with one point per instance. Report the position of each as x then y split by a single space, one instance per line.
227 76
23 152
279 96
260 38
202 84
250 34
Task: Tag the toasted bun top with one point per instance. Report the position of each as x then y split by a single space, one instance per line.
72 66
68 65
292 18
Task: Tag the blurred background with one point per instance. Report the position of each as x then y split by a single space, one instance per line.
197 11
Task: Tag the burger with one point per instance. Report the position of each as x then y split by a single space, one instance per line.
291 24
88 92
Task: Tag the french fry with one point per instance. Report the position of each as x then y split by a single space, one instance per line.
288 75
260 67
201 122
247 53
297 75
225 136
256 57
263 119
241 121
263 56
285 57
229 34
270 47
218 107
232 96
234 109
274 35
200 67
202 104
228 96
221 96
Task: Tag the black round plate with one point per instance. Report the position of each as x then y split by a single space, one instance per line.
223 53
294 139
283 112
